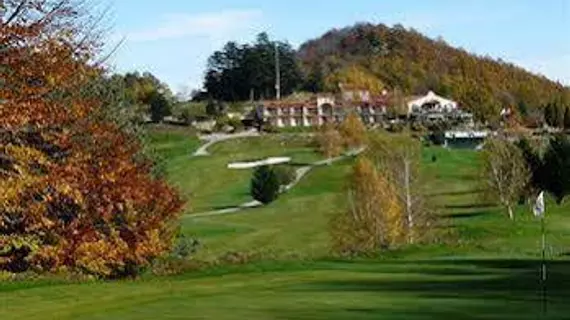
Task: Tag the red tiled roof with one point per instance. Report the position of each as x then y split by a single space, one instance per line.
284 103
373 101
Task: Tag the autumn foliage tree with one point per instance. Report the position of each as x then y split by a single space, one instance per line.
353 77
329 141
77 193
398 157
505 173
403 58
373 219
353 131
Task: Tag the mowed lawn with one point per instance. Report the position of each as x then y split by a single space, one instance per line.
373 289
487 267
206 182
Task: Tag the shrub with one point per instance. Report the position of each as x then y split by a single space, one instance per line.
221 123
396 127
236 124
173 266
265 184
6 276
285 174
437 137
270 128
185 246
185 116
238 258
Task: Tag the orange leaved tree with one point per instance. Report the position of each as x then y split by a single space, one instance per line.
75 191
353 131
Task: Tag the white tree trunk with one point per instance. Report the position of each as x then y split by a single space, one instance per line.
511 213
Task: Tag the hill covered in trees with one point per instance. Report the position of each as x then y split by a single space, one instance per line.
405 59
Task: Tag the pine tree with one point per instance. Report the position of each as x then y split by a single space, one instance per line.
549 115
534 164
567 118
556 171
265 184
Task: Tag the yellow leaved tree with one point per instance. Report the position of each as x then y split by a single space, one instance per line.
354 77
329 141
373 218
353 131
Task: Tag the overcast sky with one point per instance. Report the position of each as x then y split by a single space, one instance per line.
173 38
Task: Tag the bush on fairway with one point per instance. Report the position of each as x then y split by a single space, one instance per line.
285 174
265 184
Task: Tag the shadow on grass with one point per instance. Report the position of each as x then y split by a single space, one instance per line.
300 164
470 206
450 289
455 193
465 215
219 208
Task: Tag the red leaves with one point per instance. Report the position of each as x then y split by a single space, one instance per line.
74 195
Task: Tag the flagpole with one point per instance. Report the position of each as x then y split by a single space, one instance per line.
543 265
539 211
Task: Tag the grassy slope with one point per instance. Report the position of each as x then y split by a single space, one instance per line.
293 225
490 274
208 184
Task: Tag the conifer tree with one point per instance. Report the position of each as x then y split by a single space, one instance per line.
265 184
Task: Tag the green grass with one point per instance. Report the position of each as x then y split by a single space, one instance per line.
295 224
489 272
206 182
446 289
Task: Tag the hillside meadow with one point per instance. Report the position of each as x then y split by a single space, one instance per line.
483 267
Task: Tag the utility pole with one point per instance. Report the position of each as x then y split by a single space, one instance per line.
277 73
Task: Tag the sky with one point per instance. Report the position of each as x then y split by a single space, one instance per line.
173 38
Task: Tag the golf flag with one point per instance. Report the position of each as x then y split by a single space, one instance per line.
538 208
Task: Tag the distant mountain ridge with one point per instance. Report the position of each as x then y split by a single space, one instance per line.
413 63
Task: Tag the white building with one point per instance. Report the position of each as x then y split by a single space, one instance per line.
431 103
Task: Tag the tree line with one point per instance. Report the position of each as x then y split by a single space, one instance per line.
240 72
377 57
406 59
516 172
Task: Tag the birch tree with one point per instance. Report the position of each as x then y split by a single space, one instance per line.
372 220
505 173
398 156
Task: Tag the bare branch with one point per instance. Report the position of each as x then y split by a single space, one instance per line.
19 9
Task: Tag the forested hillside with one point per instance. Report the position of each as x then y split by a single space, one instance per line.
405 59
